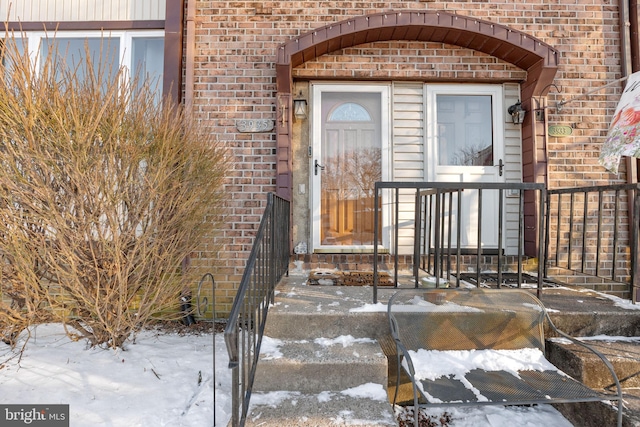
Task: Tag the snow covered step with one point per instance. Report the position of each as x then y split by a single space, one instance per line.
365 405
321 364
301 312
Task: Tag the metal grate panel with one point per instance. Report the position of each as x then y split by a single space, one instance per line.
500 386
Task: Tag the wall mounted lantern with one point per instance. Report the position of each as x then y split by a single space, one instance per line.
300 107
517 113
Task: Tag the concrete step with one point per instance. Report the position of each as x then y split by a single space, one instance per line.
326 324
586 367
365 406
315 365
309 312
584 281
632 406
584 313
320 363
313 372
589 324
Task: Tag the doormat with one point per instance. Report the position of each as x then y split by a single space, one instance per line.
509 280
348 278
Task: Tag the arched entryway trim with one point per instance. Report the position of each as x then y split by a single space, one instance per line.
528 53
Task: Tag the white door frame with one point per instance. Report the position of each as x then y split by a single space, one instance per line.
436 172
317 88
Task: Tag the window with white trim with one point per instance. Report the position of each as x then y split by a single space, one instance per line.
140 52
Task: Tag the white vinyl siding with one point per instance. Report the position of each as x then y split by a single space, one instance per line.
512 168
82 10
408 152
408 132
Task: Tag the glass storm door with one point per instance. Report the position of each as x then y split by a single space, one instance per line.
467 145
349 127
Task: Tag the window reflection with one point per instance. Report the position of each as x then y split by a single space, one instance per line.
352 157
73 52
11 44
148 62
465 133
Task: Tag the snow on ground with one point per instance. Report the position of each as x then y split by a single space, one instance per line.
161 379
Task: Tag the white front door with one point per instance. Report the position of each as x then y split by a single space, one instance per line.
350 126
466 144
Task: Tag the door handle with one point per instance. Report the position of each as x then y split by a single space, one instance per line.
317 165
500 167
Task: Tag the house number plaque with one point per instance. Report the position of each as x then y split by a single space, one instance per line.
253 126
559 131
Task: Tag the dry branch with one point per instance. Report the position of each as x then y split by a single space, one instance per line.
103 193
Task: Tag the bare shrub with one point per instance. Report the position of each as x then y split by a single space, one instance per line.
103 193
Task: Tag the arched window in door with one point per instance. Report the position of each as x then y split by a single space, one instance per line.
351 156
349 112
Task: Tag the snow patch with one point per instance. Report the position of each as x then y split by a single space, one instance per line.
274 399
367 391
605 338
370 308
345 340
324 396
434 364
418 304
270 348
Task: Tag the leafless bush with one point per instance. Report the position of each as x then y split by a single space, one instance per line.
103 193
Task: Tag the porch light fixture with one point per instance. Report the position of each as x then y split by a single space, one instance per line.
517 113
300 107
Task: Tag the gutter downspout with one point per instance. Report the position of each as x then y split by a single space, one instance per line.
188 87
633 163
634 42
632 54
630 62
190 53
625 39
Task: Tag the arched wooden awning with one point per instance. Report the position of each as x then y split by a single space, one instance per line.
515 47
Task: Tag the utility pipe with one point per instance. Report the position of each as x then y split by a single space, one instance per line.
630 59
624 24
629 44
189 87
634 41
190 53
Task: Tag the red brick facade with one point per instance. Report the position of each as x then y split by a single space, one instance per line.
236 46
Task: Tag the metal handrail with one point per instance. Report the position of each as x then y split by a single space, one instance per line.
267 263
443 246
583 224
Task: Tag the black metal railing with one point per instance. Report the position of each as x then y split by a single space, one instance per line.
267 263
588 232
433 217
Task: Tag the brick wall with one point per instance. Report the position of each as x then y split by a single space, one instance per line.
235 53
